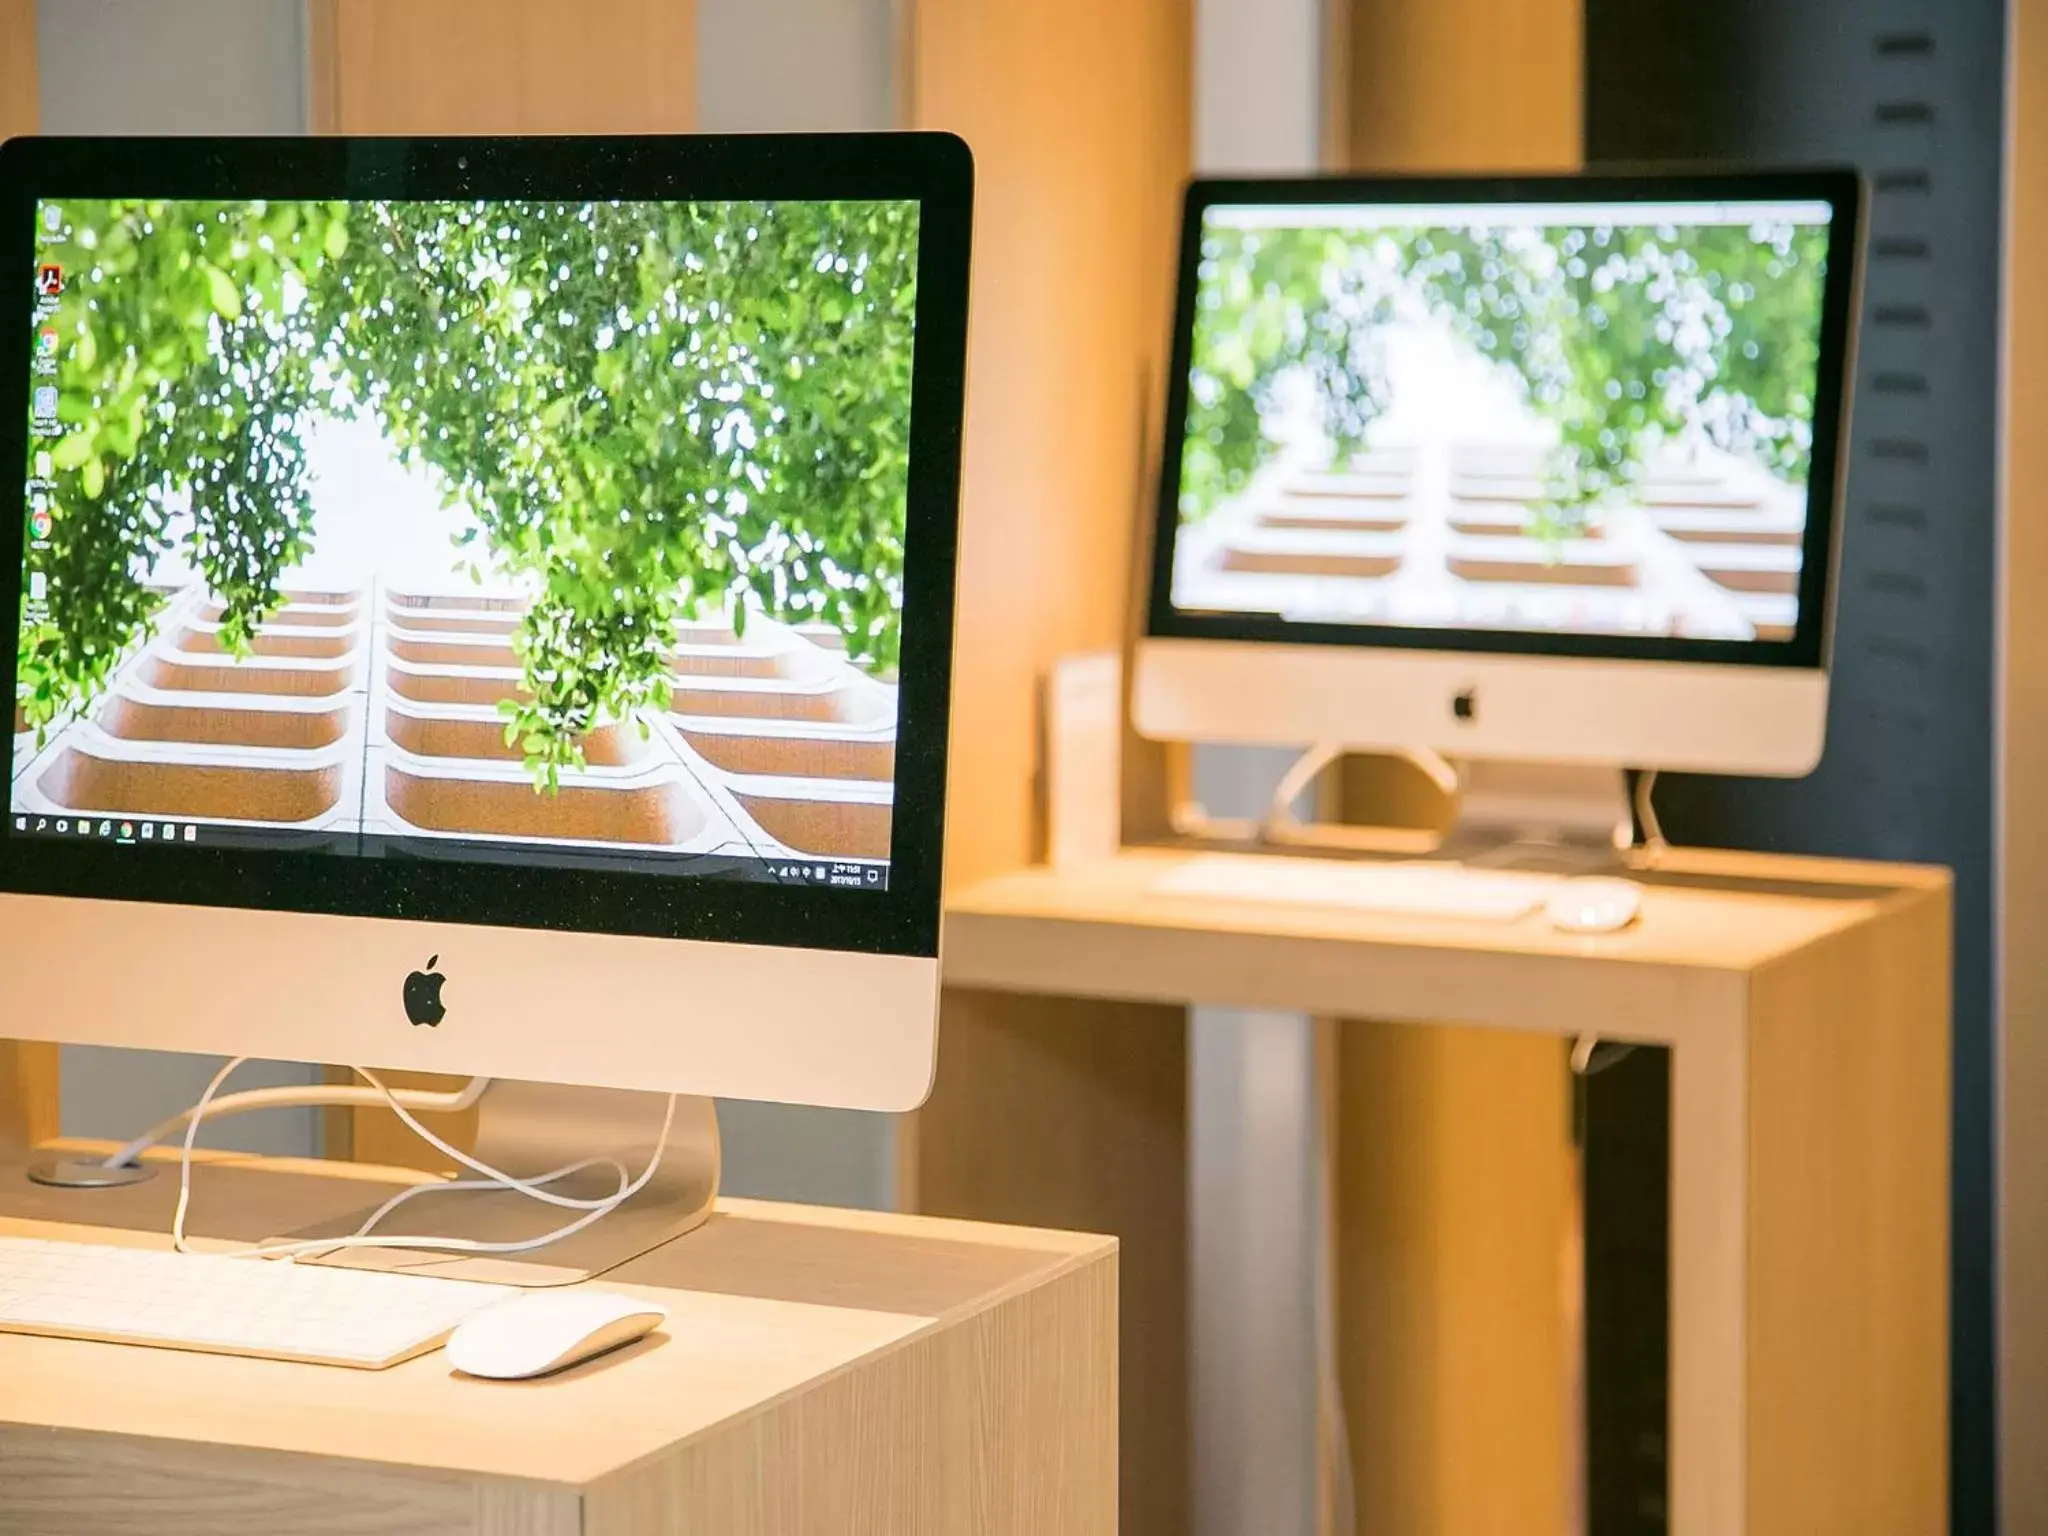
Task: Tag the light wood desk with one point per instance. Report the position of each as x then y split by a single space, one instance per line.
820 1371
1806 1005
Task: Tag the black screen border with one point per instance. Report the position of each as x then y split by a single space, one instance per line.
933 169
1809 645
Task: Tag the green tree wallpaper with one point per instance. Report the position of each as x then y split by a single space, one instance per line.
647 409
1620 336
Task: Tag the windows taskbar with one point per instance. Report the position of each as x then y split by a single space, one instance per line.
759 868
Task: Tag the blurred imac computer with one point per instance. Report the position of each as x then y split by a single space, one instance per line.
485 607
1536 476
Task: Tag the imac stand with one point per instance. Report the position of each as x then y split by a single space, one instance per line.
1540 815
1563 817
529 1129
523 1129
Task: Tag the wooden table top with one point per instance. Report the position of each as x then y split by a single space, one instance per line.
1709 920
764 1301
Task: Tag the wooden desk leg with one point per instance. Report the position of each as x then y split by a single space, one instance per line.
1809 1240
1845 1242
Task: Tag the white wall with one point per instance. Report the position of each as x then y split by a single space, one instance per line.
1253 1169
792 66
171 66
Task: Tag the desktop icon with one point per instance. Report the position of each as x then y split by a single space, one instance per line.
40 522
46 465
422 995
53 218
46 342
46 405
49 280
38 586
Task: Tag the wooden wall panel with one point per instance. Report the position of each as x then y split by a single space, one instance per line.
2023 855
1072 1115
28 1073
1461 85
1077 114
1453 1268
512 66
1457 1191
17 67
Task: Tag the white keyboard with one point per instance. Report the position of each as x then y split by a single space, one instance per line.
270 1308
1411 889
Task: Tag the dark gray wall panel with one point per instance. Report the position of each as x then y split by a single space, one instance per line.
1910 90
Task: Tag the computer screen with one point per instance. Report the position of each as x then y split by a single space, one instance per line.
1568 422
560 533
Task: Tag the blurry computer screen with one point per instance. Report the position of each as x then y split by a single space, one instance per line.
1590 418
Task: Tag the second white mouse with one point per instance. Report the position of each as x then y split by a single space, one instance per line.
1594 905
544 1331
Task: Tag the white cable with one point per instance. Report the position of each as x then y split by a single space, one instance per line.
474 1245
310 1096
441 1186
493 1178
185 1152
1295 783
1646 813
530 1187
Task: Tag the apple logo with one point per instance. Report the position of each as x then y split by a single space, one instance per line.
1465 704
423 1003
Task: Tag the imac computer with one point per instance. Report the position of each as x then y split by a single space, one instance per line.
486 607
1537 477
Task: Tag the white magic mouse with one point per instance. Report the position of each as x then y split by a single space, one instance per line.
543 1331
1594 905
